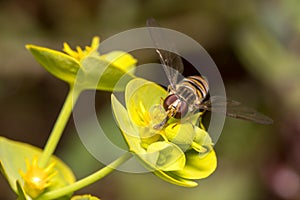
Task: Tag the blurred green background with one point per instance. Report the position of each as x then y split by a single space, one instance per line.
255 44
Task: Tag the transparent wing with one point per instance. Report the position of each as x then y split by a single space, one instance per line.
235 109
172 63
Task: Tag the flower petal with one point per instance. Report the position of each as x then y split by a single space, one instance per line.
197 166
141 96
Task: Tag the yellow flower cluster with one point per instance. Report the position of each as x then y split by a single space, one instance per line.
37 179
80 54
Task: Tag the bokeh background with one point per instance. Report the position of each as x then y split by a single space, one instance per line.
255 44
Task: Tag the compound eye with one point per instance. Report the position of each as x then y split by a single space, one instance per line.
169 101
183 109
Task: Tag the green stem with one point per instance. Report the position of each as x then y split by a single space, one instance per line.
59 126
87 180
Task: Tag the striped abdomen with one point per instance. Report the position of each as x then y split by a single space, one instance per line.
192 90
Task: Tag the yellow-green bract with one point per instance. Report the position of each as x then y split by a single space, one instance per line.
12 160
179 153
86 68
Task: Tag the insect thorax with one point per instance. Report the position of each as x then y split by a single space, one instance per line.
189 95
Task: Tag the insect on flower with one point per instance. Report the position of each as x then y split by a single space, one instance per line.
191 94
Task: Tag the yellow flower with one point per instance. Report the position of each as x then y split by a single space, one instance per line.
180 152
85 67
37 179
80 54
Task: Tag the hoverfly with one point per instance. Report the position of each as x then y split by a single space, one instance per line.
191 94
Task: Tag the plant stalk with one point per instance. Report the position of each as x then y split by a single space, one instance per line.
59 126
87 180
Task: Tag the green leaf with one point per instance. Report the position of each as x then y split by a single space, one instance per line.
102 75
57 63
13 155
84 197
197 166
